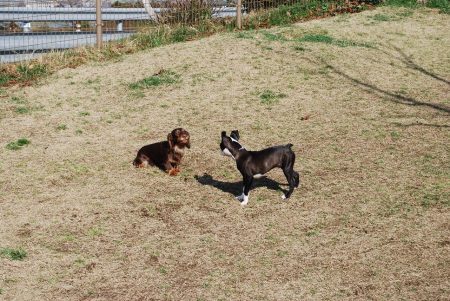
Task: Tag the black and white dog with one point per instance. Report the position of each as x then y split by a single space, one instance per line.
254 164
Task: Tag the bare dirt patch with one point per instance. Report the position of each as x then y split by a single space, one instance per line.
370 220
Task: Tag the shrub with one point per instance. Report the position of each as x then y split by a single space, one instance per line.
443 5
185 12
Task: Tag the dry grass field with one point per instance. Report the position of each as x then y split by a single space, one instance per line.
364 98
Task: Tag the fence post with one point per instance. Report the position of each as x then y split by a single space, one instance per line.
239 14
98 24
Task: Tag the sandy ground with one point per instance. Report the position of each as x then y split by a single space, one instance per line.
370 220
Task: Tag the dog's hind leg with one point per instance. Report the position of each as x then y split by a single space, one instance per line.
141 161
137 162
296 179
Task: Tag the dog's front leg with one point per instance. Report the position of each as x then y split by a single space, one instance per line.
176 167
170 169
243 198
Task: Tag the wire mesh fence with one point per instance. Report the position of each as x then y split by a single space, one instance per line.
31 27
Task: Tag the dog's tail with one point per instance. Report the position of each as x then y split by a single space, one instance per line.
296 179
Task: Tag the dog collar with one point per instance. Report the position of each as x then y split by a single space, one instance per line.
234 140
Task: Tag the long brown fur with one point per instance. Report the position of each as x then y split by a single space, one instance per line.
166 155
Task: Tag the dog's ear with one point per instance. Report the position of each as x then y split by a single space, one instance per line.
224 133
235 134
170 139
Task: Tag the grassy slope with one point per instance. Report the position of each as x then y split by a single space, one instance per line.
369 222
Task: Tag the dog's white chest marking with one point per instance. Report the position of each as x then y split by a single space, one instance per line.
179 150
257 176
226 152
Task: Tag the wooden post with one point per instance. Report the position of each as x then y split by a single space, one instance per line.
239 14
98 23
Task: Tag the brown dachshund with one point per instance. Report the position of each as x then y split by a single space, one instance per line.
166 155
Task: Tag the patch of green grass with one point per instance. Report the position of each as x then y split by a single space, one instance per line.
260 199
149 211
22 110
138 94
16 145
271 239
227 174
30 72
93 81
13 254
406 13
85 113
80 262
77 168
18 100
273 36
164 77
68 237
95 231
395 135
436 195
61 127
396 17
312 233
183 33
442 5
163 270
245 35
282 253
5 78
287 14
269 97
326 39
401 3
381 17
299 48
317 38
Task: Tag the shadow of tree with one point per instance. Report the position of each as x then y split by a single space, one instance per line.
411 64
235 188
395 97
421 124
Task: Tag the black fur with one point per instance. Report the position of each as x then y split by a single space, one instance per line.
251 163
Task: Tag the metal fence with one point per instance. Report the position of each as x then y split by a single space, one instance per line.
31 27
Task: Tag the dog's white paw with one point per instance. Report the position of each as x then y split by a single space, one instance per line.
243 199
283 196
